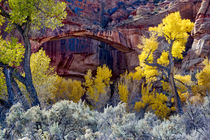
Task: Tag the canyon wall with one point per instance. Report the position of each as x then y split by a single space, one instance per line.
98 32
201 46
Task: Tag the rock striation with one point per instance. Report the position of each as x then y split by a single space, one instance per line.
108 32
201 45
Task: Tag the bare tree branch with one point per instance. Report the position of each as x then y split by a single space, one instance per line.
15 73
155 64
188 87
18 76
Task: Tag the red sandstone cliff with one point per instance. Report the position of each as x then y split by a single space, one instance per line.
107 32
201 34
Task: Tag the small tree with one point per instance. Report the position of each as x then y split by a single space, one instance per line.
43 77
67 89
27 15
175 31
203 78
98 87
154 101
141 97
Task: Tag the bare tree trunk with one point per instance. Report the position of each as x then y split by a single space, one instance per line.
20 95
13 89
7 74
175 93
172 82
27 69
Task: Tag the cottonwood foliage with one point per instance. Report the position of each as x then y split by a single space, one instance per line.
175 32
25 16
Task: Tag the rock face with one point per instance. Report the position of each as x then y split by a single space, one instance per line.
201 34
100 32
73 57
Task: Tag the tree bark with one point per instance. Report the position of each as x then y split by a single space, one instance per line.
20 95
27 69
7 74
13 88
175 93
172 82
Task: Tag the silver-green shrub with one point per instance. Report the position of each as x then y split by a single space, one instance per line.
117 123
67 120
169 129
196 120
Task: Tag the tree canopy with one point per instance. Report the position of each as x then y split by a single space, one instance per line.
175 31
25 16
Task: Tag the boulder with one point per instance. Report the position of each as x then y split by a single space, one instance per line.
201 45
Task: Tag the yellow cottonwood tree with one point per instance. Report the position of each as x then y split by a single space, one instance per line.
67 89
25 16
183 84
43 76
203 77
175 31
153 101
129 85
98 87
129 90
148 46
123 92
202 87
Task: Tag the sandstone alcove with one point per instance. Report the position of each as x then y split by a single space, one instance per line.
72 57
